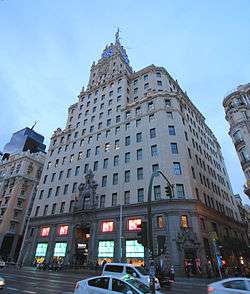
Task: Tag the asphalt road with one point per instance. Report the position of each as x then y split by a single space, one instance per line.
36 282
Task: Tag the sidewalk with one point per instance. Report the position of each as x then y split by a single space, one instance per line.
194 281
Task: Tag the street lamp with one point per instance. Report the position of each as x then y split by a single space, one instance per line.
150 228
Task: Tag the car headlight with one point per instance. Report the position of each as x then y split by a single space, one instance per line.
1 282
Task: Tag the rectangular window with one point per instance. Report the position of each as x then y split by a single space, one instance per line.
115 179
127 141
107 146
127 176
49 193
174 148
114 199
159 83
117 144
74 188
171 130
116 160
53 211
138 122
157 192
45 232
77 171
152 133
106 249
62 207
37 210
177 168
118 119
102 201
169 114
180 191
139 154
41 249
160 223
104 181
151 106
45 211
140 173
68 172
57 190
140 195
133 224
105 163
127 197
86 168
154 151
127 157
134 249
60 249
63 230
155 167
184 221
65 190
139 137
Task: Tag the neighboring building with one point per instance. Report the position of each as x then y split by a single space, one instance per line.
125 126
20 173
237 109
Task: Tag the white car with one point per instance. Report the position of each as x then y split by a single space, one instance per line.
123 269
109 284
230 286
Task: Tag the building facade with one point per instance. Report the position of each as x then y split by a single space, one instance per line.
237 109
21 167
93 190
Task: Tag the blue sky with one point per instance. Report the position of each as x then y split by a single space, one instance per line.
48 46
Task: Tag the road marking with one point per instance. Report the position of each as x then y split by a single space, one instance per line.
26 291
10 288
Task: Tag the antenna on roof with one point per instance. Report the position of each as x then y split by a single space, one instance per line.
33 125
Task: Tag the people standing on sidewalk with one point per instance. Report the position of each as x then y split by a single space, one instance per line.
172 274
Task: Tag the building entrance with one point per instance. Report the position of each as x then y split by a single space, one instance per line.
82 245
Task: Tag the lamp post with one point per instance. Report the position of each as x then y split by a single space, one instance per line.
150 228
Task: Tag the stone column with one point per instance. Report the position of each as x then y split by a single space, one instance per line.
13 247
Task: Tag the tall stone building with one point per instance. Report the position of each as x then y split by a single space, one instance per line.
237 109
93 190
20 172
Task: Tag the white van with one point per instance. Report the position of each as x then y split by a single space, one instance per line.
122 269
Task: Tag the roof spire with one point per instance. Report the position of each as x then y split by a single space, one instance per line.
117 36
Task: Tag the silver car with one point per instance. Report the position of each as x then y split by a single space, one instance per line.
110 284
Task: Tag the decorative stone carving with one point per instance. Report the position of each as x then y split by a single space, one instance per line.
87 198
187 239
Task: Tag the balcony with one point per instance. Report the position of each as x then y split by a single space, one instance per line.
247 188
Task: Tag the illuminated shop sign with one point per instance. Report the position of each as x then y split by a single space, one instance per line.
60 249
134 249
81 245
41 249
107 226
63 230
106 249
133 223
45 231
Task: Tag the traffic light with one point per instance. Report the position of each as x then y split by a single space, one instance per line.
168 191
142 234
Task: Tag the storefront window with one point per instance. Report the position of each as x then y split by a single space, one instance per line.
134 249
45 232
106 249
107 226
63 230
160 223
41 249
133 223
60 249
184 221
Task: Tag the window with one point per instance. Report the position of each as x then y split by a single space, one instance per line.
80 155
95 167
152 133
133 224
139 137
62 207
97 150
117 130
171 130
45 211
138 122
107 226
86 168
37 210
57 190
158 75
127 197
65 190
244 153
114 199
105 163
159 83
174 148
53 211
160 223
77 170
127 157
117 144
74 188
115 179
184 221
49 193
236 284
107 146
155 167
102 201
177 168
118 119
140 173
139 154
41 194
154 151
119 286
104 181
45 179
68 172
127 176
145 77
157 192
88 153
168 102
151 106
45 232
169 114
127 141
127 126
180 190
116 160
151 117
140 195
102 283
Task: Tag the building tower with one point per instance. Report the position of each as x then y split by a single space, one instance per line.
124 126
20 171
237 109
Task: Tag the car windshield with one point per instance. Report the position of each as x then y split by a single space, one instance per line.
138 285
141 270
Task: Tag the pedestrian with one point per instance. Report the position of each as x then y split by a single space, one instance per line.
172 274
104 262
